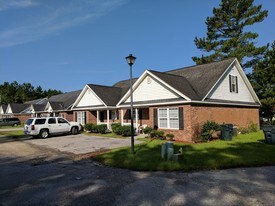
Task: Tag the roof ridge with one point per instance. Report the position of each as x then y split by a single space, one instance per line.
190 67
104 86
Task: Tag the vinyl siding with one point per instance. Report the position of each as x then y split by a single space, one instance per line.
222 91
88 99
151 89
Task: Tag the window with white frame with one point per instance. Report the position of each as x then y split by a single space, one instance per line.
233 82
81 117
168 118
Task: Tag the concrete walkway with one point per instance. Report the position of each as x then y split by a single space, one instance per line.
82 144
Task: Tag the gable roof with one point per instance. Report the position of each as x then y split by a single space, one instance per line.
67 99
38 107
110 95
203 77
37 101
125 85
18 108
179 83
4 107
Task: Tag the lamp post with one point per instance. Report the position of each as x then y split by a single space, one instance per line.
131 60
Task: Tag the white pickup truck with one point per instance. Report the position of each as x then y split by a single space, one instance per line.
45 126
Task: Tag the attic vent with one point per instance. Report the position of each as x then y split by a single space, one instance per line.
149 80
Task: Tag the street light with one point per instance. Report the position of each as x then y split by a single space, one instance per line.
131 60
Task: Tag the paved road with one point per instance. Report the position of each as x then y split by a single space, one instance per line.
35 175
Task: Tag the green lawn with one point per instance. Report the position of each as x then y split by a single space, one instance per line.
16 133
244 150
8 127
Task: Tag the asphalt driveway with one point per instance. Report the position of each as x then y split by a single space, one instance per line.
82 144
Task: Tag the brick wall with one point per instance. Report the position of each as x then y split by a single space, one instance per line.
195 116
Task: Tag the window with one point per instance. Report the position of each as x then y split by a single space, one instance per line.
114 115
52 121
168 118
233 83
40 121
62 121
81 117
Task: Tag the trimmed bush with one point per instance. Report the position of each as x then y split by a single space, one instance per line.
102 128
88 127
157 134
125 130
94 128
208 128
170 136
116 128
147 130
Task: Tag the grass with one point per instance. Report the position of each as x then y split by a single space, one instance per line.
16 133
244 151
11 127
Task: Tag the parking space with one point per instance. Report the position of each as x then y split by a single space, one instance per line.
81 143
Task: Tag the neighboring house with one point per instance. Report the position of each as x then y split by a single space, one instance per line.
3 109
16 110
177 101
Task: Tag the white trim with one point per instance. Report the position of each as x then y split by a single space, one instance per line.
244 77
108 118
189 102
82 94
168 117
141 78
219 79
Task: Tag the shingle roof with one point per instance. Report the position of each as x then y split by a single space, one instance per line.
125 85
57 105
17 108
203 77
4 107
37 101
180 83
67 99
110 95
39 107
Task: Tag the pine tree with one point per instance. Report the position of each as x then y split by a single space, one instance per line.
228 34
263 81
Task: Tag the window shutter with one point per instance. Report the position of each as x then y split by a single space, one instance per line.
230 86
84 117
155 117
140 113
181 119
236 84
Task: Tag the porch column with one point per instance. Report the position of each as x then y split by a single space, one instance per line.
136 119
121 112
97 116
108 119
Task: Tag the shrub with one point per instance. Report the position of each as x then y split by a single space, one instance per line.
102 128
170 136
116 128
147 130
125 130
157 134
208 128
94 128
88 127
243 130
252 127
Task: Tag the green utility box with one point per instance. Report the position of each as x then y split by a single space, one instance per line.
227 132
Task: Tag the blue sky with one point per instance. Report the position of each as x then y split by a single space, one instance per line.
66 44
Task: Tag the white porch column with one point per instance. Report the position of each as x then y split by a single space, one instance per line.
121 113
108 119
136 119
97 116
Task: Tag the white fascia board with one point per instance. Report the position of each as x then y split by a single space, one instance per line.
92 108
170 87
140 79
228 104
8 107
155 104
82 94
134 86
219 79
247 82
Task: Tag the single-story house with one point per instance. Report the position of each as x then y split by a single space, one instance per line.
177 101
3 108
16 110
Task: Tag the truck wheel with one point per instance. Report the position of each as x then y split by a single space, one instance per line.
74 130
44 133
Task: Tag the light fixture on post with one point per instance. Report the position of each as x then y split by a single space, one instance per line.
131 60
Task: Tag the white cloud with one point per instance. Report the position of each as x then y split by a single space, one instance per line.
11 4
57 19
